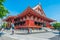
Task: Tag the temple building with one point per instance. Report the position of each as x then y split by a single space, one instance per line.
33 18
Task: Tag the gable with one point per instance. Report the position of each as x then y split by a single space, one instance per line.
39 10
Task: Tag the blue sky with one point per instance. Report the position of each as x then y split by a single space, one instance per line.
50 7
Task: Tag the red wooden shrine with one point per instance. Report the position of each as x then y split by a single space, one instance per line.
31 18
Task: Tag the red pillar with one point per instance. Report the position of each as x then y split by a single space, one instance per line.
48 25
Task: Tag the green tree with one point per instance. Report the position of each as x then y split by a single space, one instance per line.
57 26
3 10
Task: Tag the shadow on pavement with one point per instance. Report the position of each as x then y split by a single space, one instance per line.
57 37
29 33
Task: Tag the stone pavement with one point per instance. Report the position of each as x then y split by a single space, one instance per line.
6 38
57 37
33 36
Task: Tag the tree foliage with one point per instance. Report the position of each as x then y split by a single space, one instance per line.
3 10
56 25
4 25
